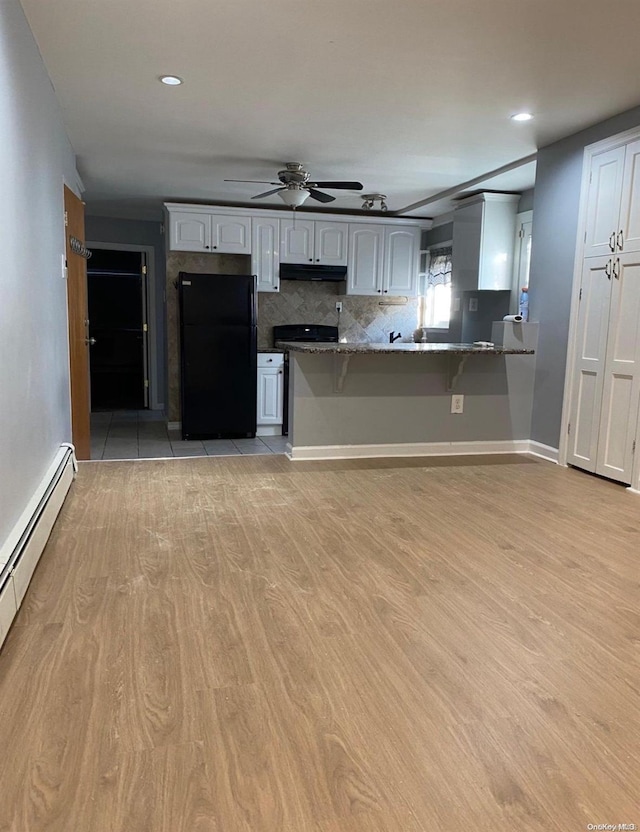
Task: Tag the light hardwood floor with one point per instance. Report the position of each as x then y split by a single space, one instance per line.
250 645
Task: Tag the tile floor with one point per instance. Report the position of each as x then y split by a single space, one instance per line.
143 434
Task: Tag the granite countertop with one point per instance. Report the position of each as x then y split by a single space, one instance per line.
324 348
271 349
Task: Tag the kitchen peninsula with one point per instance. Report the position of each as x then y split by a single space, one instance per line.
365 400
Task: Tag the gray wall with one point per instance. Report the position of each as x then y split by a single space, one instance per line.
35 158
438 235
140 233
526 201
555 223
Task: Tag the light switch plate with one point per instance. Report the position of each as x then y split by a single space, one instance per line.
473 304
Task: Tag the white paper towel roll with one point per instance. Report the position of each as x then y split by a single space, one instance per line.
516 319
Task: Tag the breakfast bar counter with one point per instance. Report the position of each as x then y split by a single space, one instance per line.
365 400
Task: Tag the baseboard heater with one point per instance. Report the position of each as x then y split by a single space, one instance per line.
21 553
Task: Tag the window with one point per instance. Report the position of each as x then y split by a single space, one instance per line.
435 303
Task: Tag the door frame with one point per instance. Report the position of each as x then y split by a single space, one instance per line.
590 150
149 290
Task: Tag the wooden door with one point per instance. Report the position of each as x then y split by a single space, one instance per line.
588 369
603 204
621 378
78 328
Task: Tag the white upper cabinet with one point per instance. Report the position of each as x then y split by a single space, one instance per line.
401 256
484 229
330 243
383 260
629 239
603 202
265 253
296 241
309 241
364 272
231 235
199 231
189 231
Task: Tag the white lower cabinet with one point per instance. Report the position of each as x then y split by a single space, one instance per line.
270 393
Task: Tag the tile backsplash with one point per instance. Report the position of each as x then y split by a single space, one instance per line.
363 319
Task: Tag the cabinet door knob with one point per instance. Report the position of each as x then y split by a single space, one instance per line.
379 291
385 291
206 246
311 259
215 246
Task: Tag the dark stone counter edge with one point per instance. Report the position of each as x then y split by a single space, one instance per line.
397 349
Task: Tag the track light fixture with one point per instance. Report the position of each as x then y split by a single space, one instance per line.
369 202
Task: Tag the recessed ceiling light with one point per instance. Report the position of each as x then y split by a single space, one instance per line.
171 80
522 117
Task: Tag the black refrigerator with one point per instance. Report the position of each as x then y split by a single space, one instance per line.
218 348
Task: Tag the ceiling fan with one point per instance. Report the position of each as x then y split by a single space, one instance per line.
295 186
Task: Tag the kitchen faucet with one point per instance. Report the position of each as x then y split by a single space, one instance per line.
393 337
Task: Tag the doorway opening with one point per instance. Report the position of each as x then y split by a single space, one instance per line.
118 330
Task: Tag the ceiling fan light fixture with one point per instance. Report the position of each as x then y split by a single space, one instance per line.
293 197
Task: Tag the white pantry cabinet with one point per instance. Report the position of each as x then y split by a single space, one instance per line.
613 201
383 260
270 393
313 241
265 253
604 381
202 232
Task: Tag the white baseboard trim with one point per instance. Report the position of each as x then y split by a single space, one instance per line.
544 451
309 452
21 552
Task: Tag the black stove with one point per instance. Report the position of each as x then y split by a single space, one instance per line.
299 332
305 332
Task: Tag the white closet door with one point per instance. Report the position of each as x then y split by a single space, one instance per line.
629 240
619 414
591 349
603 212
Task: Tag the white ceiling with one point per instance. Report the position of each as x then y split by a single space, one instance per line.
411 97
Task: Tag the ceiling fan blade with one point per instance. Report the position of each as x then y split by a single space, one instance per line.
268 193
256 181
320 196
351 186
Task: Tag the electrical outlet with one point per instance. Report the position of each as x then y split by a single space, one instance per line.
338 306
457 404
